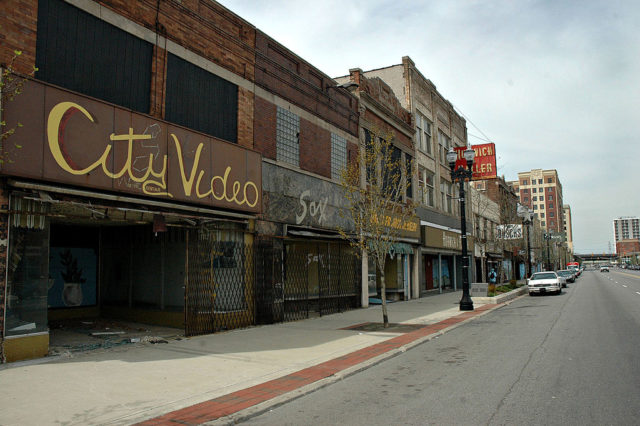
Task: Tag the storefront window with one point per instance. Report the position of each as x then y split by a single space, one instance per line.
27 269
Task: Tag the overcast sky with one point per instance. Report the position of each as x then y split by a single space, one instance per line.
555 84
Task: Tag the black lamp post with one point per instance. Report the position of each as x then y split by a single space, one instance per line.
461 174
547 236
527 219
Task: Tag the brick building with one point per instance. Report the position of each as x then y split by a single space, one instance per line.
171 156
438 128
541 191
382 116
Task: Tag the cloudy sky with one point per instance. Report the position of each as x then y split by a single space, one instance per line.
555 84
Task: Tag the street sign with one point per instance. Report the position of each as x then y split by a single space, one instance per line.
510 232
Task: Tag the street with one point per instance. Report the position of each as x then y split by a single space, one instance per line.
543 360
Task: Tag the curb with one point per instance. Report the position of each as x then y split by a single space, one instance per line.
503 297
261 398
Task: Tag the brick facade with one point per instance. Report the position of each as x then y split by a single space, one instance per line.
627 247
265 128
315 149
206 34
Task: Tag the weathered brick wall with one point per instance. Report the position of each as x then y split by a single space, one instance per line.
202 26
158 82
315 149
265 127
245 118
18 27
282 72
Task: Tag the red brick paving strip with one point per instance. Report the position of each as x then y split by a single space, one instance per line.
236 401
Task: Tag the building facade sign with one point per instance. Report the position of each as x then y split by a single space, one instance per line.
72 139
509 232
484 162
442 239
299 199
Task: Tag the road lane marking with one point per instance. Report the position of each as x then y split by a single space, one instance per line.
624 286
637 292
629 275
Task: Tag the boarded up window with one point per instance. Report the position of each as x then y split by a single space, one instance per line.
78 51
200 100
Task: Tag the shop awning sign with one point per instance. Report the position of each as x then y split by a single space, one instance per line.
75 140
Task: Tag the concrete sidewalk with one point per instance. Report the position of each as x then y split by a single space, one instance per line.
219 377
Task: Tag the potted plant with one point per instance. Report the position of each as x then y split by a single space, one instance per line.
73 279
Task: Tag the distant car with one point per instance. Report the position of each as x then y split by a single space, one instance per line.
604 268
568 275
545 282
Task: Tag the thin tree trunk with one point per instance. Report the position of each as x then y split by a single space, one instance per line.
383 291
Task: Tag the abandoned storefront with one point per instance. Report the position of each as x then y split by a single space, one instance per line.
110 213
321 272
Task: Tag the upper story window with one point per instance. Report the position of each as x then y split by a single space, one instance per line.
338 155
423 133
444 142
446 191
549 180
288 137
524 182
534 190
539 181
534 198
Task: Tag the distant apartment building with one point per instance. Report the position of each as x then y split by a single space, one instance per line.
541 191
626 228
568 229
626 234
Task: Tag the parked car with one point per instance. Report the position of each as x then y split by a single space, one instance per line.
545 282
604 268
568 275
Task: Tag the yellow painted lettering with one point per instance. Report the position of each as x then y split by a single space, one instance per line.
53 130
187 184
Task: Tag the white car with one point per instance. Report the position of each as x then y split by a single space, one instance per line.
545 282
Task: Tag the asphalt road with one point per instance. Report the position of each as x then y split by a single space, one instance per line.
570 359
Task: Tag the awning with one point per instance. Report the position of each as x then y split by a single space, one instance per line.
188 209
400 248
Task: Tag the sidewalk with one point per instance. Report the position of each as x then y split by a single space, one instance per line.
218 377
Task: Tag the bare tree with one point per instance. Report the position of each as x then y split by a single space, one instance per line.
375 187
11 85
496 203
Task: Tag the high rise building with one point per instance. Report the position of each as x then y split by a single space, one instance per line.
541 191
568 228
625 230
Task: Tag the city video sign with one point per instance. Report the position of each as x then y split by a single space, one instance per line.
484 163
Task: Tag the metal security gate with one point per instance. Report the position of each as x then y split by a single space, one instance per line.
230 285
219 283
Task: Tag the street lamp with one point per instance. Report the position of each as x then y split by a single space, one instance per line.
461 174
547 236
527 220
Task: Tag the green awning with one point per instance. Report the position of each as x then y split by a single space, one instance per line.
400 248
